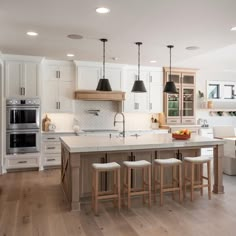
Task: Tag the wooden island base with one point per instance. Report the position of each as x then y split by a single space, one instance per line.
76 167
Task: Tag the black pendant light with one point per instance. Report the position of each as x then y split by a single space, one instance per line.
103 84
138 86
170 85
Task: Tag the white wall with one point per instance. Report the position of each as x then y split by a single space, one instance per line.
217 65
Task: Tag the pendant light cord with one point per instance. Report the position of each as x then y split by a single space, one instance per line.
103 59
138 43
170 65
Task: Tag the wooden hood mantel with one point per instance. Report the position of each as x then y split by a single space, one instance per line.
93 95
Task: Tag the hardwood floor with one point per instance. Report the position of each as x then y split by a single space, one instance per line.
32 203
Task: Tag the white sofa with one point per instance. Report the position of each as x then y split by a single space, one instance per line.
229 162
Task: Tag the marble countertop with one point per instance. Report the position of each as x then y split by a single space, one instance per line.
84 144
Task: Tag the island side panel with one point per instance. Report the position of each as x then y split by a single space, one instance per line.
218 169
70 177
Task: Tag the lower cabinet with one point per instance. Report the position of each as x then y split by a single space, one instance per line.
207 132
22 161
51 148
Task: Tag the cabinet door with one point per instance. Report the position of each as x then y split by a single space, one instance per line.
88 77
66 73
66 90
188 79
175 77
29 81
50 96
52 72
155 98
174 105
187 108
115 77
14 74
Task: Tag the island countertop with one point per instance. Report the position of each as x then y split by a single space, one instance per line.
78 144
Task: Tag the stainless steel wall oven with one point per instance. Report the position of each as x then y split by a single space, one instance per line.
23 125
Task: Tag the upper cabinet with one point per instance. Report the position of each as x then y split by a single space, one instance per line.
22 76
58 86
180 108
221 90
89 73
151 101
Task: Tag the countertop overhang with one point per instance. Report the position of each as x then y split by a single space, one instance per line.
80 144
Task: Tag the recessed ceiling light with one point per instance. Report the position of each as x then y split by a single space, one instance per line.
233 29
192 48
31 33
74 36
102 10
70 55
153 61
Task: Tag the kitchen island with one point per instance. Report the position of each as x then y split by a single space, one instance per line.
78 153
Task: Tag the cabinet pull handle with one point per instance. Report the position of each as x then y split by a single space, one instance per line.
150 79
51 138
51 147
20 90
150 106
59 104
23 91
59 72
51 159
136 106
22 162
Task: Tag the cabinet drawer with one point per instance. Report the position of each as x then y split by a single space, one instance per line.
188 121
51 138
21 162
173 121
52 160
52 147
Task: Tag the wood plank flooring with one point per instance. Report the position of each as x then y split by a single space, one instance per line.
32 203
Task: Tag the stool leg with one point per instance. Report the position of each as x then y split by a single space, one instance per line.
93 185
209 179
201 179
185 181
149 186
161 185
118 188
144 177
155 181
129 186
115 187
173 180
125 181
180 184
192 181
96 193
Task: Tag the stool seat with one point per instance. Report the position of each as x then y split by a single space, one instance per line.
199 159
169 161
136 164
106 166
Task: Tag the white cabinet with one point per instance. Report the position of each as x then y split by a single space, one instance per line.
89 73
206 132
51 148
22 78
156 91
58 88
152 100
22 161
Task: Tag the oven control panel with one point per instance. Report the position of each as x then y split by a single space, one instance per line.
23 102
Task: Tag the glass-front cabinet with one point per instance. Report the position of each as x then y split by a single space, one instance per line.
180 108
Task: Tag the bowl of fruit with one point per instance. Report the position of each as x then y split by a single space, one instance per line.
182 134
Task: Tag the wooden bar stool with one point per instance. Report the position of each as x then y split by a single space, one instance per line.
145 166
176 182
114 193
192 162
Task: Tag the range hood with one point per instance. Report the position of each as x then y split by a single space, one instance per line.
92 95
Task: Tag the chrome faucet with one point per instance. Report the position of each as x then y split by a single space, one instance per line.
122 121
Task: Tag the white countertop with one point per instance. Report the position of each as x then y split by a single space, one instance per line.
147 141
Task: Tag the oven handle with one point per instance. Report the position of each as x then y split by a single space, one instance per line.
31 131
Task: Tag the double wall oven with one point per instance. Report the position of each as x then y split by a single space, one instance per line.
23 125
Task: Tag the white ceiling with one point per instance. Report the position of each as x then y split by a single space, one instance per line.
202 23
